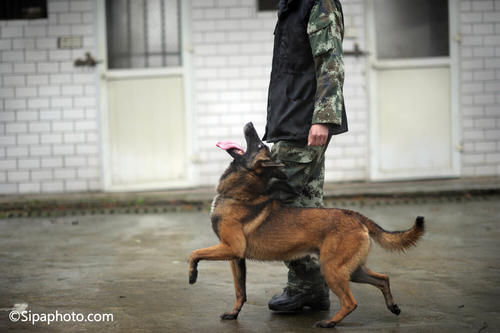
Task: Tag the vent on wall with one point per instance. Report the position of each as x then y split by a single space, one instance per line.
23 9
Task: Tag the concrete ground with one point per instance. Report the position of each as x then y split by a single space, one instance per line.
134 267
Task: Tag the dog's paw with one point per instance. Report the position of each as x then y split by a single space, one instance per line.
395 309
325 324
229 316
193 275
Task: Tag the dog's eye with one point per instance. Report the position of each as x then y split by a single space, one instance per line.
260 145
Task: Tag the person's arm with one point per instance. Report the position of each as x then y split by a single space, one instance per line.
325 29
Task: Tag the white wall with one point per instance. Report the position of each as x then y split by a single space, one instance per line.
49 135
49 123
233 49
480 86
232 58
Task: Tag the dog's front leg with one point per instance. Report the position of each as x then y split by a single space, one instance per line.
217 252
238 267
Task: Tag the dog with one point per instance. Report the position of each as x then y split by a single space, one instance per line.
252 225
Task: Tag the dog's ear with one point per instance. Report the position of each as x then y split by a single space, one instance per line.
267 162
271 164
273 168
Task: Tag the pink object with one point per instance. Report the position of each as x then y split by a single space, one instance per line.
226 145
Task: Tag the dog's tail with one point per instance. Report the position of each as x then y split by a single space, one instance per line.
395 240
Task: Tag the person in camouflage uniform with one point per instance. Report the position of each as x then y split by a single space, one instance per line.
301 144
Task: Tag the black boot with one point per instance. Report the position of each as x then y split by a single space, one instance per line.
294 301
306 288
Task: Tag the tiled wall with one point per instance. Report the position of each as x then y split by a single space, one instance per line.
49 136
480 86
233 45
49 122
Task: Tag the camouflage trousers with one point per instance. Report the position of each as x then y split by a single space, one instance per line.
305 168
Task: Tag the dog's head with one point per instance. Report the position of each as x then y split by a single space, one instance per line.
257 157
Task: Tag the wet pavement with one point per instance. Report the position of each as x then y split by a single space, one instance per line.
134 266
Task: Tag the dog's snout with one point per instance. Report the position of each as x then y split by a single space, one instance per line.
248 128
251 136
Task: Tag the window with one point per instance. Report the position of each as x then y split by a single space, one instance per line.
23 9
411 29
143 33
264 5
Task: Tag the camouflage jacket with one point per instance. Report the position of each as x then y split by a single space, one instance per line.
326 32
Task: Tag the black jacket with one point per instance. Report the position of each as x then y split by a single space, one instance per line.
292 88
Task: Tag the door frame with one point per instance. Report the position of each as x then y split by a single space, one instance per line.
373 65
186 70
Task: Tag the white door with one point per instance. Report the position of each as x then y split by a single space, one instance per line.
143 95
413 111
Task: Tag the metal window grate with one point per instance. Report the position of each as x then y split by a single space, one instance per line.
143 33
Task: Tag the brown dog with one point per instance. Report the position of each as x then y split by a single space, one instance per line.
251 225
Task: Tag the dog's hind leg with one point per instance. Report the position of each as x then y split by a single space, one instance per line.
238 267
339 258
217 252
339 284
337 279
364 275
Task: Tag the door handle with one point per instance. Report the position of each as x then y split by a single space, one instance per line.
357 52
88 61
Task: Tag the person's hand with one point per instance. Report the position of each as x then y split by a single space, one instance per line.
318 135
